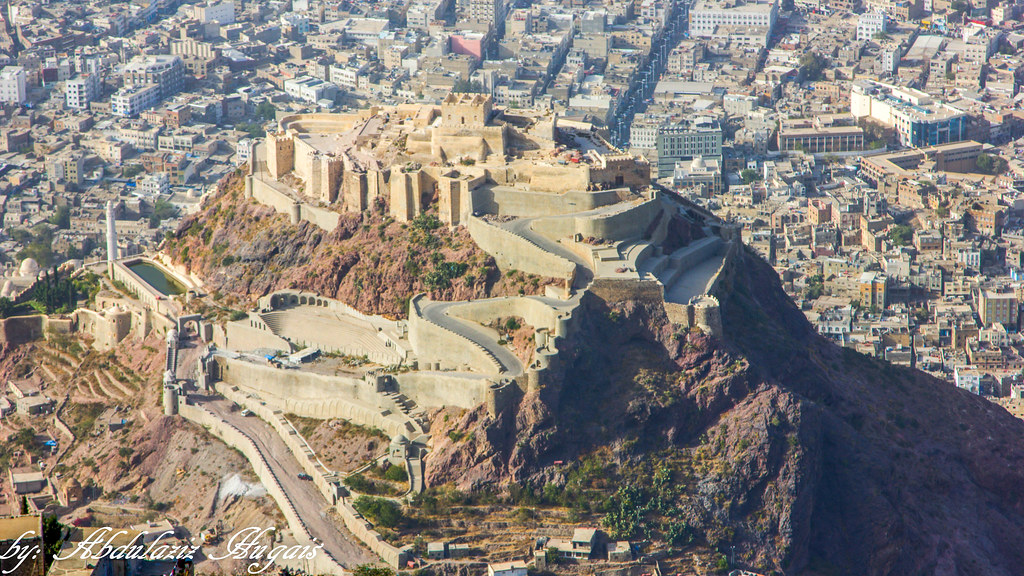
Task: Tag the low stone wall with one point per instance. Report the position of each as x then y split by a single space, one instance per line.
312 395
240 336
532 311
436 389
322 562
265 192
515 252
325 480
436 344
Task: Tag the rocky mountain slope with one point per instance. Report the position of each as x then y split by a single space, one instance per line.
805 457
244 250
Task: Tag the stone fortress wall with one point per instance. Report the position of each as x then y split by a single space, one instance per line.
232 436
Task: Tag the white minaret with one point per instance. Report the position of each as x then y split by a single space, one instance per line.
111 238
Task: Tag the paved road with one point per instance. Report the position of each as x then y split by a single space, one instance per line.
309 503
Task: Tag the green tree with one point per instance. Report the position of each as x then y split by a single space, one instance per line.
372 570
474 86
901 235
991 164
53 538
749 175
61 217
131 171
162 210
815 287
266 111
382 512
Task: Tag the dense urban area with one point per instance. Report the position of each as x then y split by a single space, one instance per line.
332 265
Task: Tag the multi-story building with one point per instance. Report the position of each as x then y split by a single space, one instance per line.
825 139
155 184
131 101
13 88
221 12
873 289
80 91
166 71
725 19
869 24
491 11
685 140
918 119
997 307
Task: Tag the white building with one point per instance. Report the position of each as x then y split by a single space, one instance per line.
968 379
131 101
80 91
310 89
155 184
13 85
919 119
221 12
741 20
869 24
244 150
297 21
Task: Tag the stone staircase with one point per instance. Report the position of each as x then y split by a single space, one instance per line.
406 406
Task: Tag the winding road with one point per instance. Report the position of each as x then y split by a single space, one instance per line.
309 503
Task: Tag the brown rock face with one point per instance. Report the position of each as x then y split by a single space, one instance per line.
245 250
808 458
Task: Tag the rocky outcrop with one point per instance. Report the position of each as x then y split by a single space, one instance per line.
244 249
807 457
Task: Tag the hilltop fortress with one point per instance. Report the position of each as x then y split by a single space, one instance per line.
540 194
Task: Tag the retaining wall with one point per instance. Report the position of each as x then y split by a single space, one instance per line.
509 201
322 563
436 389
312 395
264 192
515 252
436 344
630 222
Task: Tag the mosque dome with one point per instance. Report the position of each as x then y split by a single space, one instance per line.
29 268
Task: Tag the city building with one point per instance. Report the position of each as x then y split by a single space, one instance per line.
13 82
80 91
916 116
685 140
870 24
166 71
997 307
131 101
873 290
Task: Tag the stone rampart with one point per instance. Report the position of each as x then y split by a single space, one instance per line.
322 563
436 344
313 395
517 253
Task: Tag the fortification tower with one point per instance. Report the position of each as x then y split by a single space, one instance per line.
280 153
707 315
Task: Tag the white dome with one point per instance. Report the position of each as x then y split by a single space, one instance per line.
29 268
698 163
